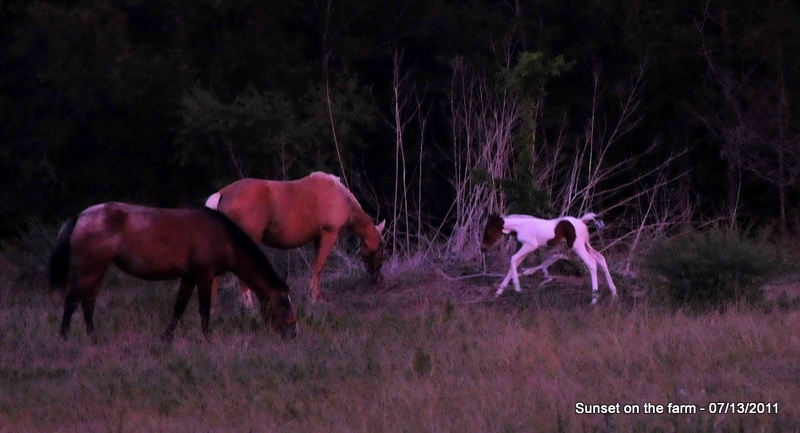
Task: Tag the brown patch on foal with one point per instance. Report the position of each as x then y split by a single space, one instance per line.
564 230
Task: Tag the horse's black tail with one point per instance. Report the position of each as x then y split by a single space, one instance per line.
58 269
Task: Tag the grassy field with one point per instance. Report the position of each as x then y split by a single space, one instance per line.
420 353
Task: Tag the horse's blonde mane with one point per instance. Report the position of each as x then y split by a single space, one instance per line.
338 182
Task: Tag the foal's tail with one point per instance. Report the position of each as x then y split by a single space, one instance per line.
593 217
58 269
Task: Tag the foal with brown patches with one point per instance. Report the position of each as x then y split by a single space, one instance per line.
534 232
194 245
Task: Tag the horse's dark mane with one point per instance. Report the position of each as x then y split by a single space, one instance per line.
243 240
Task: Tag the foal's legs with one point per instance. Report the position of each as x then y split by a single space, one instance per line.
602 262
591 263
516 259
184 293
543 267
324 245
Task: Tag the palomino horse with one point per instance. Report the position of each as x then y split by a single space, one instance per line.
158 244
290 214
533 232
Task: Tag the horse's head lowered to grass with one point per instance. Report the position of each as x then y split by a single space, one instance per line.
372 250
194 245
290 214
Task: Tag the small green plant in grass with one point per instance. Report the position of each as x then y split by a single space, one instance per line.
716 266
422 362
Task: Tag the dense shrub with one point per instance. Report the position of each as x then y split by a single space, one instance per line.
28 252
716 266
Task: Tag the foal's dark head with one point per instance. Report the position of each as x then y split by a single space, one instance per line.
493 232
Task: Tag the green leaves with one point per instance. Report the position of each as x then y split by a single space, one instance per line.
532 72
715 266
270 134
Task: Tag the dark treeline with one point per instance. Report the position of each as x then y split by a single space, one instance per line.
163 101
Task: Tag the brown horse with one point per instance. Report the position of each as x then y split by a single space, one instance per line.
158 244
290 214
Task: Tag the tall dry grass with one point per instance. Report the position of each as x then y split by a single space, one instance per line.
411 355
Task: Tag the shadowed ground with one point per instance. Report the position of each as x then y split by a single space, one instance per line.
420 352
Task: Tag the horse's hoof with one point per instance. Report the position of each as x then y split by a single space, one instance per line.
320 300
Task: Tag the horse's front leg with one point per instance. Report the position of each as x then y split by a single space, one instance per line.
184 293
204 285
326 242
505 282
214 290
513 275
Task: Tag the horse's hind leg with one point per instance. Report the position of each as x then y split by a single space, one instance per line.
70 305
247 295
602 262
84 291
591 263
184 293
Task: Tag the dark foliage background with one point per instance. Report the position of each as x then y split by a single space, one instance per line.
162 102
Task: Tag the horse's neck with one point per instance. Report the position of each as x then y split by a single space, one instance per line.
359 220
361 223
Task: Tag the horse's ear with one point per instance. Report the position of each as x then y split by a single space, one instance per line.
380 227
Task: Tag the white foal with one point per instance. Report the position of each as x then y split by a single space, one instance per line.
534 232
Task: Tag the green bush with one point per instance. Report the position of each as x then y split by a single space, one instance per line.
716 266
30 250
